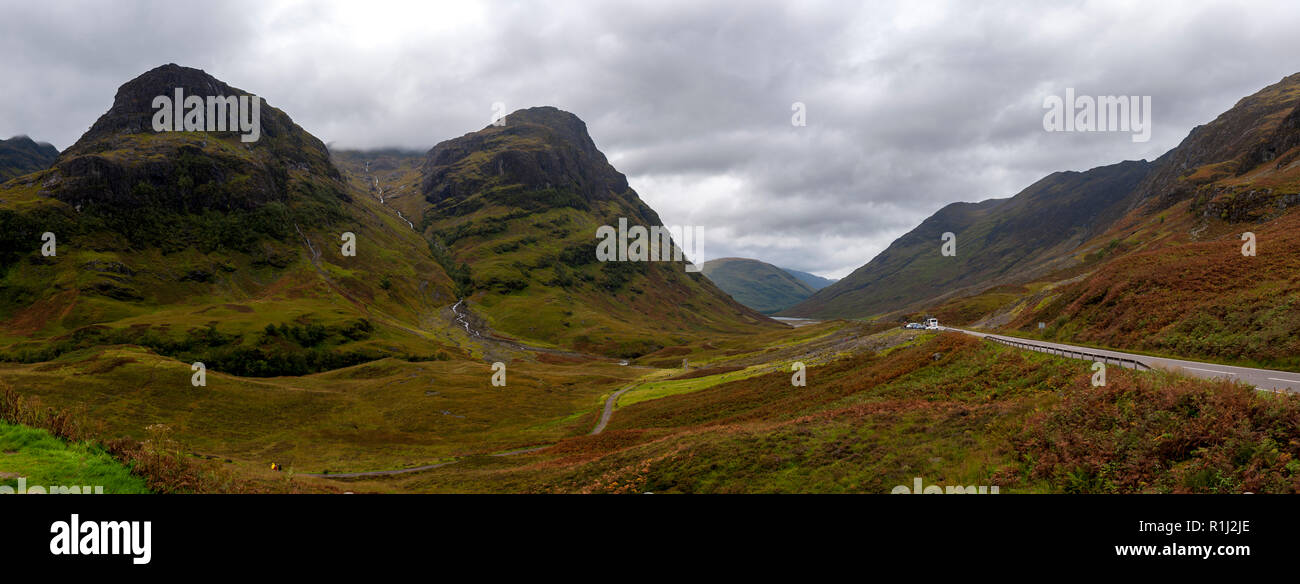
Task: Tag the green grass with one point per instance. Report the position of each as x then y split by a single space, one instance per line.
45 461
380 415
659 389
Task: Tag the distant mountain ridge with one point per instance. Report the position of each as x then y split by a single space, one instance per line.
756 284
1238 167
812 280
21 155
997 241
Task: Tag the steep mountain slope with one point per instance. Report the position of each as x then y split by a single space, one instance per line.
1170 275
812 280
1250 145
1175 277
200 246
516 209
20 155
389 175
998 241
758 285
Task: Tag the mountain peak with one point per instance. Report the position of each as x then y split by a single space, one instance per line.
565 125
517 208
1002 241
132 110
536 149
122 162
548 115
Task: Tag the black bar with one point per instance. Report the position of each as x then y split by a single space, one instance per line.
297 534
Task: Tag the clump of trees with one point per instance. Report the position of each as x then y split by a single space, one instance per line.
280 349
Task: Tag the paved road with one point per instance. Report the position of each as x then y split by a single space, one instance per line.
1265 379
609 409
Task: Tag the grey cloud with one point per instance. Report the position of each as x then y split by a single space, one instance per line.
911 105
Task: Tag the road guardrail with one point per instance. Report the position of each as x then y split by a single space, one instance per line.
1074 354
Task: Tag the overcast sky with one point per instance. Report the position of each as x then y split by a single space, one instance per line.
910 105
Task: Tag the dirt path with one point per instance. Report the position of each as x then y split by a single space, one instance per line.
380 473
605 416
375 473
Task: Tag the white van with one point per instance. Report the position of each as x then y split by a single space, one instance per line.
932 324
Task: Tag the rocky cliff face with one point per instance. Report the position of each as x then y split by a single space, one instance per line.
541 150
1259 129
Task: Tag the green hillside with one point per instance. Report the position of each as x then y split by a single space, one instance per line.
183 247
758 285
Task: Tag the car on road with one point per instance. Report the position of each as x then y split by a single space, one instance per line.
932 324
914 325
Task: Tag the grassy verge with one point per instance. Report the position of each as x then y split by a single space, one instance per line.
47 463
157 464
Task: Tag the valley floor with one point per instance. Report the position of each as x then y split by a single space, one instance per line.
881 408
